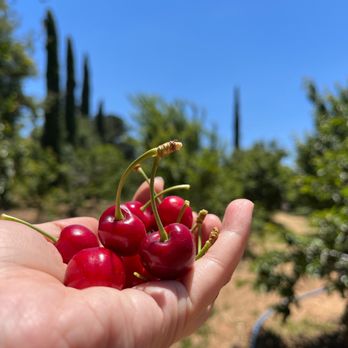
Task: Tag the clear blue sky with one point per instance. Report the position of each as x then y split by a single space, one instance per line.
199 50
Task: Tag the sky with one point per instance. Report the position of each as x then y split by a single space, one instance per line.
200 50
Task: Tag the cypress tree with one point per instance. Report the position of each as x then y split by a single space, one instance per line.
70 119
100 122
51 129
236 119
85 89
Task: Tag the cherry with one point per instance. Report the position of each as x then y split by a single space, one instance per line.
95 267
74 238
170 252
170 208
122 236
172 258
135 208
133 264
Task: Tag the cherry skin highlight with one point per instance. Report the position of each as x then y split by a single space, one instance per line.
172 258
169 210
74 238
95 267
144 216
122 236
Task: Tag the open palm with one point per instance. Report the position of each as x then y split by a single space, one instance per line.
37 310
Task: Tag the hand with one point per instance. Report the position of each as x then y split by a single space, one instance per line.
37 310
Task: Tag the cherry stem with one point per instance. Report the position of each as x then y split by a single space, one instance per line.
198 226
162 231
167 190
140 276
213 236
199 239
159 151
139 169
14 219
182 210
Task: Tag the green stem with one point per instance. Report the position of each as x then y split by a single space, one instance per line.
142 172
199 239
212 239
182 210
144 156
162 231
159 151
167 190
139 169
14 219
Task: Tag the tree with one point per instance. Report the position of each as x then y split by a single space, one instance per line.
85 89
260 174
236 119
322 183
99 120
15 67
70 117
52 128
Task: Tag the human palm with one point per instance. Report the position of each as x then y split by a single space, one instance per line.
37 310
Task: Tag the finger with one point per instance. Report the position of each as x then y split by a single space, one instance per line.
209 223
54 227
143 192
215 269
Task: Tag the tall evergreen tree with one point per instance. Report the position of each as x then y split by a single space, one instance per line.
85 89
70 118
100 122
236 119
51 132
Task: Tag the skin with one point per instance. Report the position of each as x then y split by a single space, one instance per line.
37 310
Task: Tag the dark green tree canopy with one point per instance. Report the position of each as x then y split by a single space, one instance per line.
70 117
51 136
100 122
15 66
85 102
236 120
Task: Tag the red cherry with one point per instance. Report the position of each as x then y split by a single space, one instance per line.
95 267
74 238
172 258
169 210
144 216
133 264
122 236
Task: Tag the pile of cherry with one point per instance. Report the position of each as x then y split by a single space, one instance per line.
136 242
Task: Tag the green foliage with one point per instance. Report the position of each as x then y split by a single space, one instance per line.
100 122
70 117
236 120
15 66
37 174
89 175
259 174
85 89
51 137
322 186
